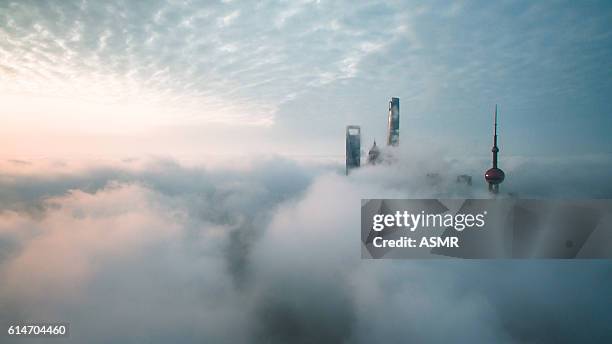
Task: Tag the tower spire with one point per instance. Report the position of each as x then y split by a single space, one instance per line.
495 125
495 149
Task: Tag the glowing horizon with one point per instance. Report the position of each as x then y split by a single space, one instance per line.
288 77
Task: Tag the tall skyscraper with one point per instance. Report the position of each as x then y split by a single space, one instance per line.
494 176
353 147
393 125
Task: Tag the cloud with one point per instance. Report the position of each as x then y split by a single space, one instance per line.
109 223
266 252
229 19
180 57
140 233
394 300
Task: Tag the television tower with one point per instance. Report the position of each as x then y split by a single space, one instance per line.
494 176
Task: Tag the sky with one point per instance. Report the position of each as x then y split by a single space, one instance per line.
193 78
158 243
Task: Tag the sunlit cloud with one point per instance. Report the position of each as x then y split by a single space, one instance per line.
164 63
103 246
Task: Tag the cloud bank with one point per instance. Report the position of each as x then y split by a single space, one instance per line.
267 252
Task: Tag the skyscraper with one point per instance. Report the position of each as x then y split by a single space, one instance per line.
353 147
494 176
393 125
374 155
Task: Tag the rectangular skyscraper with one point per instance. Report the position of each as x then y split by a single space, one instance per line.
353 147
393 126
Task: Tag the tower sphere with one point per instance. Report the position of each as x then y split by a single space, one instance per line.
495 176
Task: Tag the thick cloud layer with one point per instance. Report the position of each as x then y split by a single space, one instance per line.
269 252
